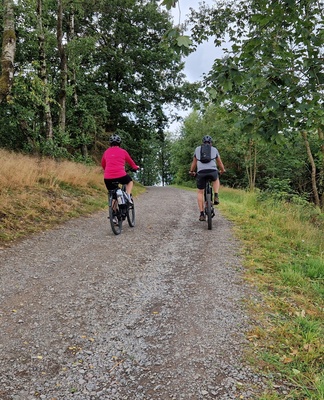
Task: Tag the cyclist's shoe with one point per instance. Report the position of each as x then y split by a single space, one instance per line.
115 220
216 200
202 217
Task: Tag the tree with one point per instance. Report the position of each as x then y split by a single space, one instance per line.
8 50
95 67
250 160
273 72
43 73
137 75
63 67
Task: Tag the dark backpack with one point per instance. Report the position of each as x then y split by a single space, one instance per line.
205 153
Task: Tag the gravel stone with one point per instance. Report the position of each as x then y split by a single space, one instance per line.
154 313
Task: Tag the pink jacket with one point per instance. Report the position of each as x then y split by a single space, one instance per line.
113 162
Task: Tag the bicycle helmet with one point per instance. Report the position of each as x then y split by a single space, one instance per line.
115 139
207 139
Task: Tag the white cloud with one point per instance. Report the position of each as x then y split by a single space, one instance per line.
199 62
182 9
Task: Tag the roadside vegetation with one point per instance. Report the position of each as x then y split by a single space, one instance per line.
284 256
283 246
38 193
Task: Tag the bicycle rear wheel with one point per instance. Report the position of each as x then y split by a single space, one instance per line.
115 220
131 215
209 211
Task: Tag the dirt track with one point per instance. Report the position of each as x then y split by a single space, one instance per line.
157 312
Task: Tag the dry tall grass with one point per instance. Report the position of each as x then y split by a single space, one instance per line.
18 171
36 193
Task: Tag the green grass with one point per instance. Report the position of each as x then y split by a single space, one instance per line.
284 259
40 207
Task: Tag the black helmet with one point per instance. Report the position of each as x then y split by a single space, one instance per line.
207 139
115 139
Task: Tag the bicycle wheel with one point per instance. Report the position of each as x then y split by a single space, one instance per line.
131 215
115 220
209 210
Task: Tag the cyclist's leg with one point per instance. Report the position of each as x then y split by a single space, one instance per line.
128 182
200 199
216 185
111 185
201 182
129 187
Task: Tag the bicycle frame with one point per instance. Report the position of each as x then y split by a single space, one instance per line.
119 212
208 197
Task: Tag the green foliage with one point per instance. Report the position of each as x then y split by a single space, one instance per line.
150 174
121 75
177 41
271 78
183 148
275 162
169 3
281 189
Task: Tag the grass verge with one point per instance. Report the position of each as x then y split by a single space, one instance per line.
37 194
284 259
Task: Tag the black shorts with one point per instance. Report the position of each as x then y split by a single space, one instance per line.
204 175
112 184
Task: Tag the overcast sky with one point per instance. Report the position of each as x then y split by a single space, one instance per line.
202 59
199 62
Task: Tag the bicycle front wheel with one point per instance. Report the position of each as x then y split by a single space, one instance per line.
115 220
131 215
209 210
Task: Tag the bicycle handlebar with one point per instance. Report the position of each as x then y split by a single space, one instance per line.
194 173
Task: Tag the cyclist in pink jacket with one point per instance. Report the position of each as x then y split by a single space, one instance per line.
113 162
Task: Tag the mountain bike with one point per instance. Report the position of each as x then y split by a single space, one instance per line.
208 198
120 208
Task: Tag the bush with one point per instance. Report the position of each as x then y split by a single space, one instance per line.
280 190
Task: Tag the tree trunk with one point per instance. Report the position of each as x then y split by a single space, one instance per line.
162 155
8 50
251 164
63 67
321 137
71 36
313 175
254 165
43 73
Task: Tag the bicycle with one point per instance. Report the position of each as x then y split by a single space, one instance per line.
208 198
120 208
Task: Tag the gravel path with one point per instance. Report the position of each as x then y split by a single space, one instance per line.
154 313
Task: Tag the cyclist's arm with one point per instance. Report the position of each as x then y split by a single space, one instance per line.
193 165
103 162
220 164
131 162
